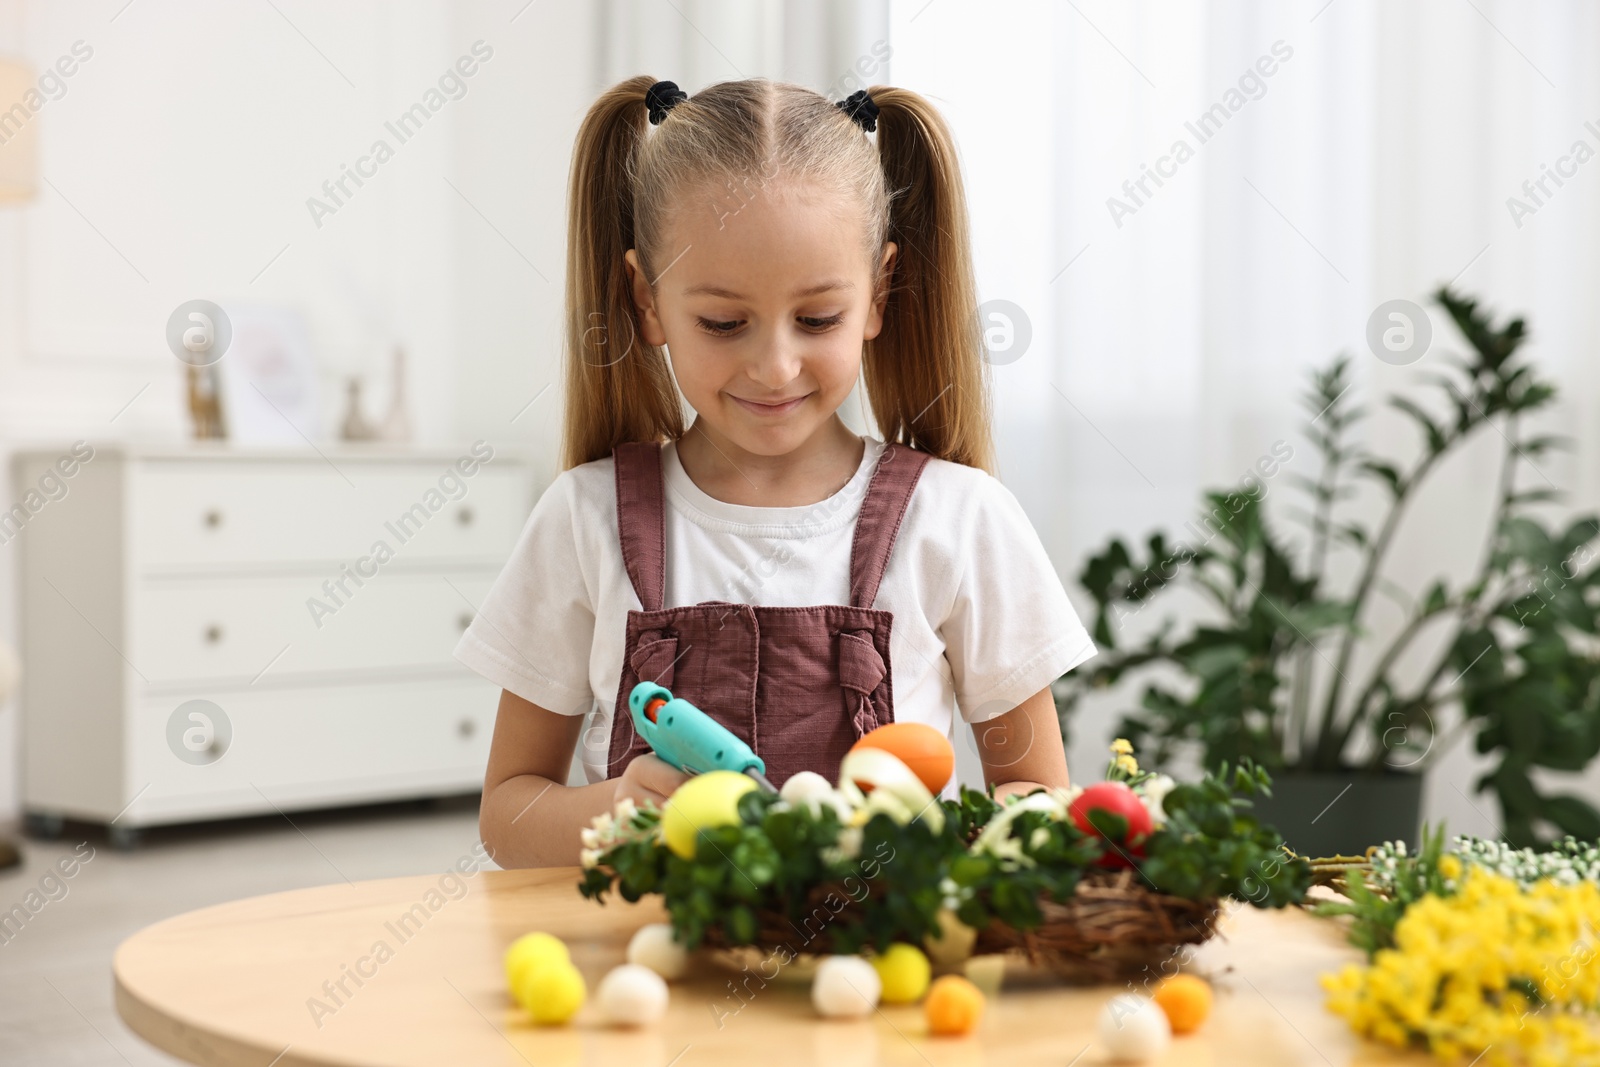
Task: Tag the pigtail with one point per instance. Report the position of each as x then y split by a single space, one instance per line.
618 388
926 373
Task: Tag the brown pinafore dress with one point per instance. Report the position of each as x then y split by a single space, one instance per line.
798 684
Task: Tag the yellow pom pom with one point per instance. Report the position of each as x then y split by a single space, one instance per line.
531 949
552 992
904 972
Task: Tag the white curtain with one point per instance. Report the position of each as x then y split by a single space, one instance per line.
696 42
1170 344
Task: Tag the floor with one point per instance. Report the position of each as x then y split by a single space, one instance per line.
55 972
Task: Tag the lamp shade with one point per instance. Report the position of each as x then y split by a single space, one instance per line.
19 132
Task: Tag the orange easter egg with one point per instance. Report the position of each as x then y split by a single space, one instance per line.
919 746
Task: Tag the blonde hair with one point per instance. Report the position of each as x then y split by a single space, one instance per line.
926 373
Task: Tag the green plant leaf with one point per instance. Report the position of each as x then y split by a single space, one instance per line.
1574 816
1385 473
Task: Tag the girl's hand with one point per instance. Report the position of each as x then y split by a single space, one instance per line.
648 777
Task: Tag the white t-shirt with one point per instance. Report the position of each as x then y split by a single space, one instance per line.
981 621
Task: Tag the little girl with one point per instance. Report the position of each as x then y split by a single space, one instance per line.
750 251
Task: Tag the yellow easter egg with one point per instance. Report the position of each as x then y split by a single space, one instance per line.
704 802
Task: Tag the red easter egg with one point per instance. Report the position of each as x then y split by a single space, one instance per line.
919 746
1114 798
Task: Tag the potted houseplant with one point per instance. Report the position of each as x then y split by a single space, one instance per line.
1270 674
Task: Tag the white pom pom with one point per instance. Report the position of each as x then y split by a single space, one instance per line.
845 987
632 995
653 947
1134 1029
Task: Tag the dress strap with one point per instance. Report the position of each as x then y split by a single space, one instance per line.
877 525
642 520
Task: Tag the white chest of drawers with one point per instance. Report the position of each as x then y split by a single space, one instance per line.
310 601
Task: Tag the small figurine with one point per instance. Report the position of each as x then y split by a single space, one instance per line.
355 426
205 403
397 424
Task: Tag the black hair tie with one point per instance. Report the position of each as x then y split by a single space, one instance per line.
861 109
661 98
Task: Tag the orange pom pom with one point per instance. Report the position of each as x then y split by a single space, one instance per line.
953 1005
1186 1000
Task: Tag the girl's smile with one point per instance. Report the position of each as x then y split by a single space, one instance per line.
769 409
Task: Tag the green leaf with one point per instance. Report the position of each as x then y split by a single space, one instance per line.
1517 794
1385 473
1431 431
1112 827
740 925
1574 816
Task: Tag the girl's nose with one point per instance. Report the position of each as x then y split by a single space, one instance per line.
776 363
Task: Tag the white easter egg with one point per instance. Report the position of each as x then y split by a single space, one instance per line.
632 995
653 947
1134 1029
804 786
845 987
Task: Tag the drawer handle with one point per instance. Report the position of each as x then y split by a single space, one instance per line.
466 728
213 634
464 620
464 516
213 519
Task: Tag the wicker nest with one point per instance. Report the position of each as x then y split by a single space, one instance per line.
1113 927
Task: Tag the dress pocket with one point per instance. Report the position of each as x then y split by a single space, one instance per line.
654 658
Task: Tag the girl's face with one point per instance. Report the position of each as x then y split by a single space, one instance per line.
764 306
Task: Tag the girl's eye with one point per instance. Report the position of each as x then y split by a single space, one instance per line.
726 329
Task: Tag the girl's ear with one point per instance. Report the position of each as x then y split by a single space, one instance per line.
880 298
649 321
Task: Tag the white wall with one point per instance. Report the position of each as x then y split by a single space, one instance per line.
194 135
178 165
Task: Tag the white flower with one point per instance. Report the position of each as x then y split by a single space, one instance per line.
590 838
896 791
996 839
626 810
1155 793
589 857
850 842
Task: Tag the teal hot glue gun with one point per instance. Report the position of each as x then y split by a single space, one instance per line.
688 738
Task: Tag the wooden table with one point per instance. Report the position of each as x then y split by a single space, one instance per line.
419 960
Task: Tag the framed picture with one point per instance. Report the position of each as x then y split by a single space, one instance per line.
269 379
